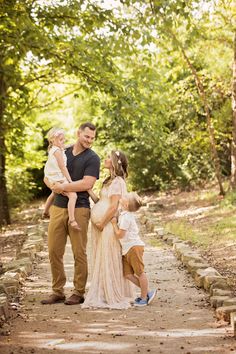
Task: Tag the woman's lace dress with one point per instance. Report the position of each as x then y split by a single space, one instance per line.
108 288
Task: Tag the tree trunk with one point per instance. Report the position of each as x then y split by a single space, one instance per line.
233 145
210 127
4 209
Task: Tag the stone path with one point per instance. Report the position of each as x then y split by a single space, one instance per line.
180 319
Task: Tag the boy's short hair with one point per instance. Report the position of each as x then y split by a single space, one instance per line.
134 201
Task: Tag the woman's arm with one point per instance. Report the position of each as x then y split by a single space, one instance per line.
59 157
111 211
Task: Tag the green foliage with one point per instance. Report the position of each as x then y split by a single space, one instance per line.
122 68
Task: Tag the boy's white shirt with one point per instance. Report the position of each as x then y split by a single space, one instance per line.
127 222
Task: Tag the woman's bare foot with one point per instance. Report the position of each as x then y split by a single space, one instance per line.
74 224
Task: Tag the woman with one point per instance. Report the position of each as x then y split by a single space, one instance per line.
108 288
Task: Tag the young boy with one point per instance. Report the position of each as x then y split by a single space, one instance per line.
132 247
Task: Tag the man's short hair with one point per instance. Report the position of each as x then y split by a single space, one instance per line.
87 125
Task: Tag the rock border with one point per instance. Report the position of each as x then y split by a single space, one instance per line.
221 296
16 271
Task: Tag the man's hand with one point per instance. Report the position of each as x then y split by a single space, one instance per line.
58 188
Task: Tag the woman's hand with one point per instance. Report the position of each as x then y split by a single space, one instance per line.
114 220
99 226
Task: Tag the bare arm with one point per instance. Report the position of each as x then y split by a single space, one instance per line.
60 161
111 211
118 232
93 196
77 186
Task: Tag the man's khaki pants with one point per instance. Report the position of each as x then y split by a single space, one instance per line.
58 231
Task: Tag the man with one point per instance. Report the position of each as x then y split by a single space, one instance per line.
83 165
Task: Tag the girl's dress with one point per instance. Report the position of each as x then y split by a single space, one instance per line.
108 288
51 169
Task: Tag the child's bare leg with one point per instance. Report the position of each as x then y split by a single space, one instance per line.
133 278
47 205
141 282
71 210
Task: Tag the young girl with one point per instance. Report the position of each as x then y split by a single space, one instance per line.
55 171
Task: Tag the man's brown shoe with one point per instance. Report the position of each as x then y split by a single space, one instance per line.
74 300
53 299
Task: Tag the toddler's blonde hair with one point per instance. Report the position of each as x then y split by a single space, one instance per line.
52 134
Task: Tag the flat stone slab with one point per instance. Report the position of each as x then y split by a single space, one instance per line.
229 302
4 307
11 285
194 265
202 273
26 254
22 262
159 230
220 292
219 286
218 301
186 257
209 280
180 247
223 313
233 322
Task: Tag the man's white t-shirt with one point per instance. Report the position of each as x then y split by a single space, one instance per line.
128 223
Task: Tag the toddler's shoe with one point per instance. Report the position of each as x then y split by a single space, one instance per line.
151 295
139 302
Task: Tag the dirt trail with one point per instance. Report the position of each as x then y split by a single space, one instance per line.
178 321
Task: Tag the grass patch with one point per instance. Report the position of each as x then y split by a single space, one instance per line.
183 229
225 229
215 228
229 200
210 227
155 242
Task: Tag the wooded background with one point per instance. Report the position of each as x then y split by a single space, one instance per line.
157 78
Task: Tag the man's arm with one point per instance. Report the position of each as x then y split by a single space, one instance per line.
77 186
92 195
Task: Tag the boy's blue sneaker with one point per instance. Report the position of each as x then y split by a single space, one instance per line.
137 299
151 295
139 302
